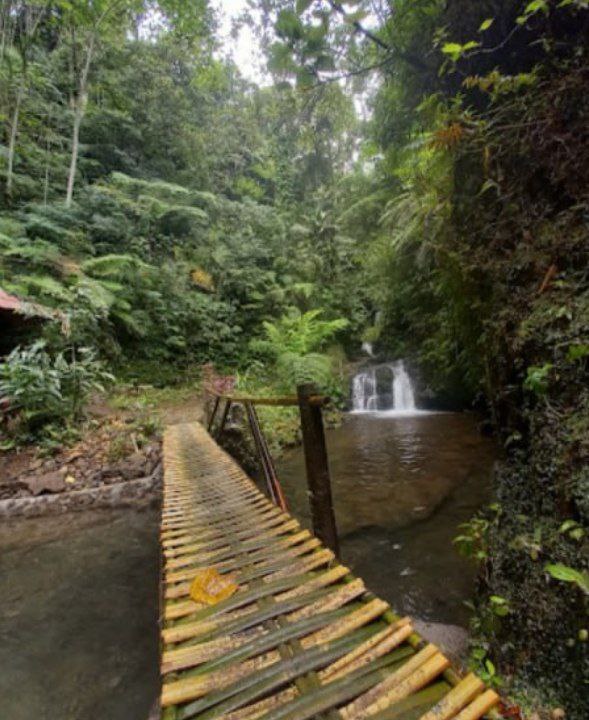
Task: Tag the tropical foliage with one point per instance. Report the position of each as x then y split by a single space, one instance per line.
412 174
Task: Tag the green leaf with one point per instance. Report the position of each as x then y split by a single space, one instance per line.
498 600
303 5
289 25
454 50
537 378
569 574
577 352
536 6
486 24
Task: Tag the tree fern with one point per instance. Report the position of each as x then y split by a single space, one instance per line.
294 369
97 293
38 254
302 332
113 266
42 287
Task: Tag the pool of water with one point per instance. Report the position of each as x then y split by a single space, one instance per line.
401 486
78 616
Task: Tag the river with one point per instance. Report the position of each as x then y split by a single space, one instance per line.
401 486
78 616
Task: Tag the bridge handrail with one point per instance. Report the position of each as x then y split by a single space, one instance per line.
282 401
310 404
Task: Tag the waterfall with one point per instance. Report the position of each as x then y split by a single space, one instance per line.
367 347
385 388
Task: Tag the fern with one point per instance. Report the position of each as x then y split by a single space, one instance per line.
294 369
113 266
302 332
167 192
36 254
134 323
42 286
97 293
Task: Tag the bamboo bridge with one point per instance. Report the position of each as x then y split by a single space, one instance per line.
286 632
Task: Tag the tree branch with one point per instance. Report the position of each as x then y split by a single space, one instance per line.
409 58
359 27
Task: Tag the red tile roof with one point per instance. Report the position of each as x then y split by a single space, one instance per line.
9 302
26 308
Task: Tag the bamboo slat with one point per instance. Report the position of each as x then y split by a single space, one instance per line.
301 637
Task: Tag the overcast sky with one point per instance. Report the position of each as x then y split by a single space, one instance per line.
245 50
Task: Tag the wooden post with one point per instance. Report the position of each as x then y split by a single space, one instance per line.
224 418
318 478
214 413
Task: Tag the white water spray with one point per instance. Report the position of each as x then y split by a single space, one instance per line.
368 348
384 388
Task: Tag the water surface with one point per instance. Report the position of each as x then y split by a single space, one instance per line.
78 616
401 486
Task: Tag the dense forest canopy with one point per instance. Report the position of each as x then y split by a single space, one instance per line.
411 173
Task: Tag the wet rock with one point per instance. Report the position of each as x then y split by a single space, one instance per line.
52 482
452 639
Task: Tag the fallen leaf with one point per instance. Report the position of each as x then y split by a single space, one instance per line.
210 587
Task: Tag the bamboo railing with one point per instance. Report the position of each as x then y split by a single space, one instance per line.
310 404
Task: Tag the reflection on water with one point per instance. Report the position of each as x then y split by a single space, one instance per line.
401 486
78 617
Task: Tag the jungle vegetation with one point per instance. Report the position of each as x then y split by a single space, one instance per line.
415 173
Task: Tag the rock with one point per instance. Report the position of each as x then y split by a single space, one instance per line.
131 468
452 639
52 482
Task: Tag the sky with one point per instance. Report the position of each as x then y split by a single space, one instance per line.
245 50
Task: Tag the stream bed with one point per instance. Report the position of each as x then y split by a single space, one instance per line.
79 616
401 486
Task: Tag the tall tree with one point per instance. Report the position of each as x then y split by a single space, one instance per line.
85 25
20 23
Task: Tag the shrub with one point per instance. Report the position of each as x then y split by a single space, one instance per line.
43 389
294 342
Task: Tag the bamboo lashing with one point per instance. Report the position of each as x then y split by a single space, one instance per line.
301 637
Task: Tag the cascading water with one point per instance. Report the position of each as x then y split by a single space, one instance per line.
384 388
368 348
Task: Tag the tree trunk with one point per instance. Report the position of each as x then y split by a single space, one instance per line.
80 100
78 116
12 141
